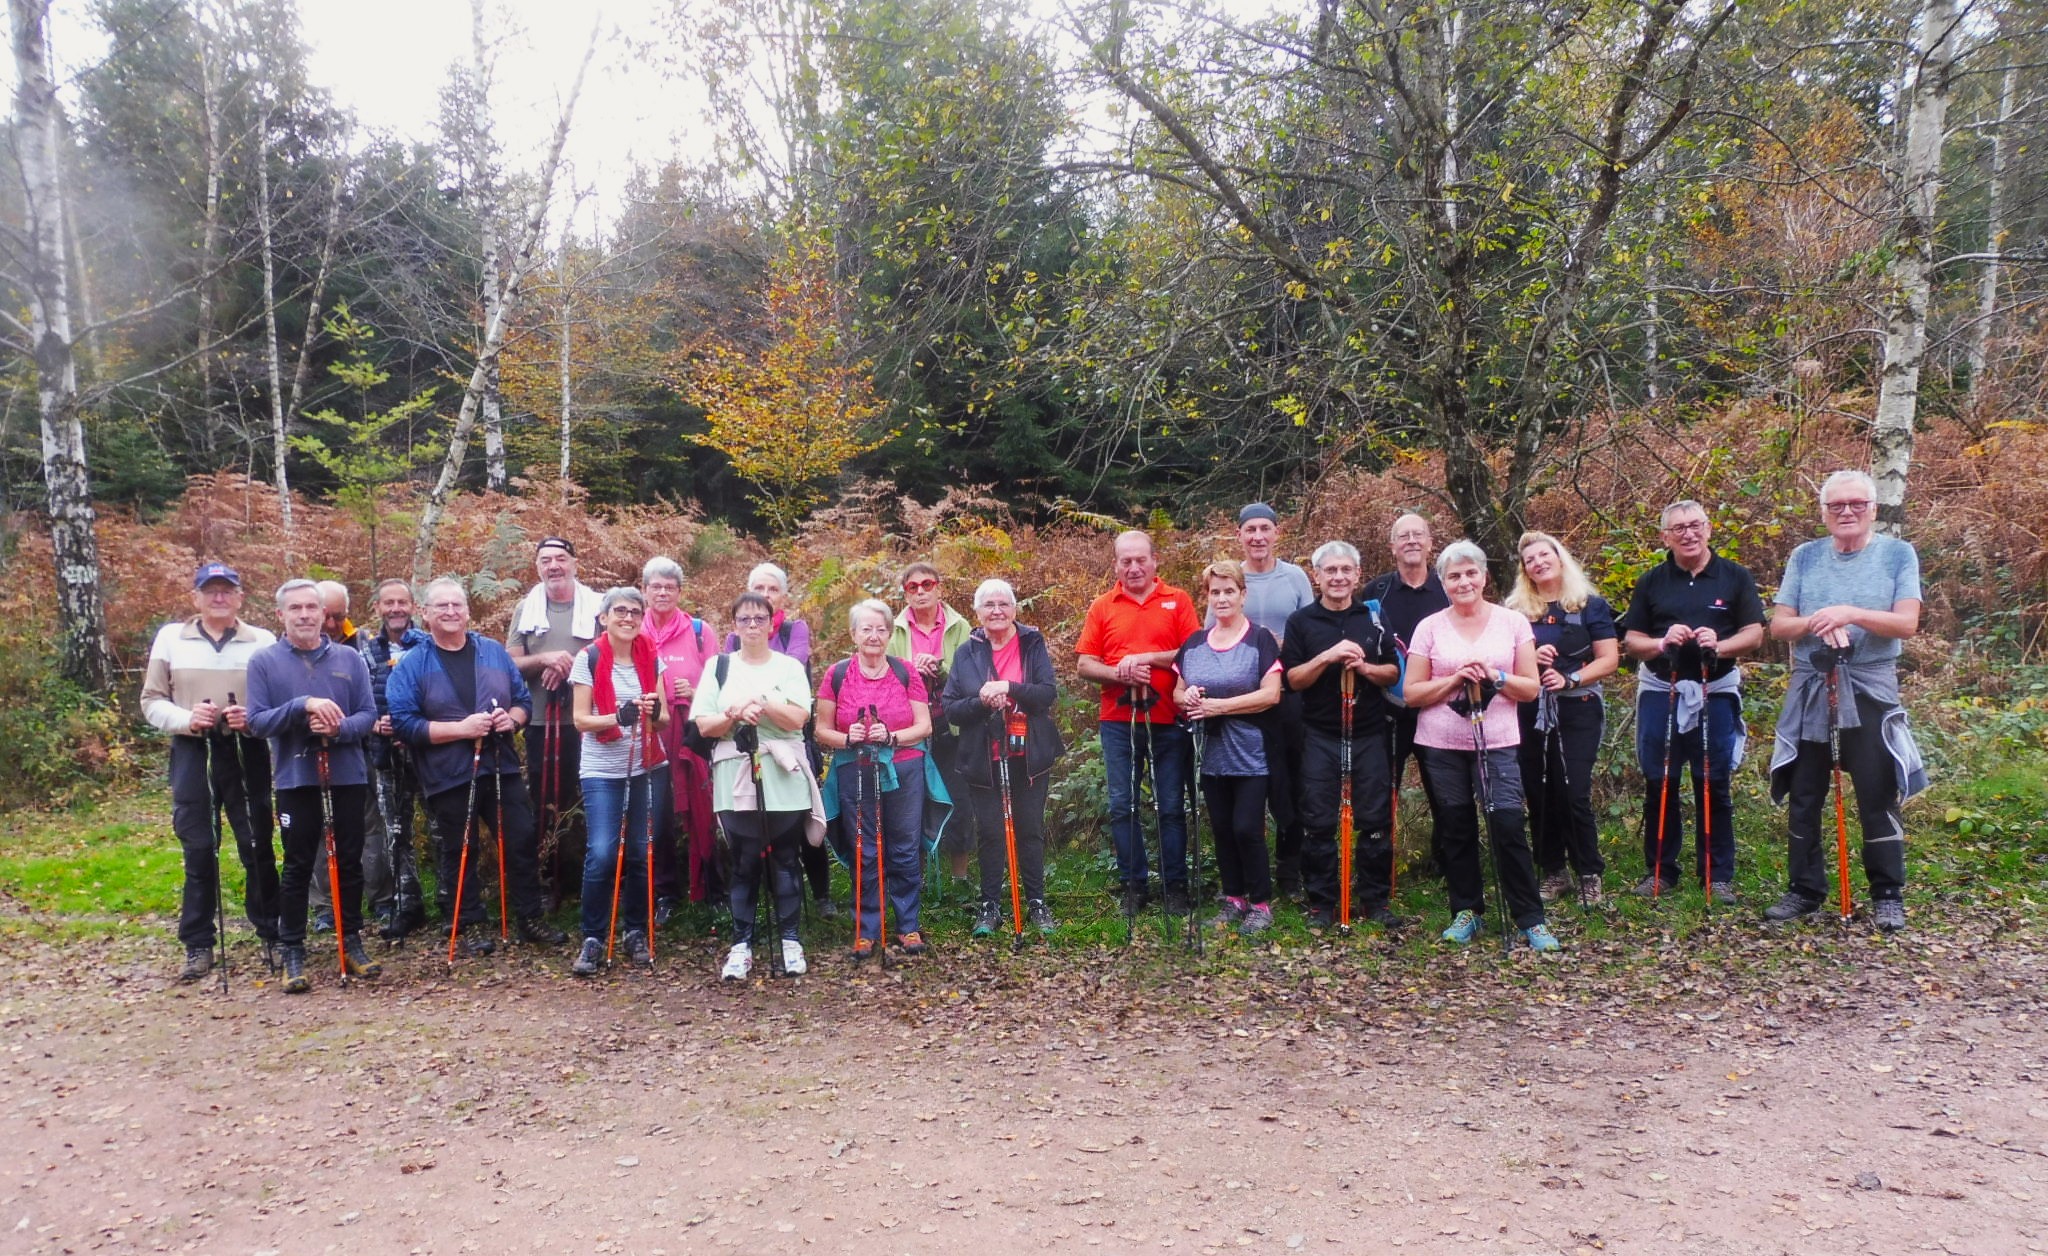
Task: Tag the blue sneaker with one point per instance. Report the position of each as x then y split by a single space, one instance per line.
1542 940
1464 928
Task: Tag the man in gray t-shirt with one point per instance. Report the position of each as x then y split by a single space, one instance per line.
1846 606
1273 590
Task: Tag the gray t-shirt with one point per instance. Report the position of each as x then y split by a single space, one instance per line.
1235 747
1875 578
1271 596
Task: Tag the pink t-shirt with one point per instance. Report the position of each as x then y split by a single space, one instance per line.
1009 659
1436 638
932 642
886 694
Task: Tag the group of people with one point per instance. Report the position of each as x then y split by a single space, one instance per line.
663 762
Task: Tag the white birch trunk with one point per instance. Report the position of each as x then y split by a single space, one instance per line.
565 355
492 343
74 538
302 373
486 186
1911 279
273 354
1994 243
209 235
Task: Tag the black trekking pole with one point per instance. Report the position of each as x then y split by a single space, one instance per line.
1477 693
245 841
765 897
881 854
220 907
1553 738
1132 902
1198 735
1706 787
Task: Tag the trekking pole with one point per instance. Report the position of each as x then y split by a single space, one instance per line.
476 756
1554 736
1199 735
1664 789
498 831
860 806
1010 739
1346 824
1500 897
220 907
1707 787
245 841
1835 761
611 932
881 855
1393 812
333 861
647 830
1137 820
767 891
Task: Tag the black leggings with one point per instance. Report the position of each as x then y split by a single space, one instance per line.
784 836
1237 816
1868 769
1557 778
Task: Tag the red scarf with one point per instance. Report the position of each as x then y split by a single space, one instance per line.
604 698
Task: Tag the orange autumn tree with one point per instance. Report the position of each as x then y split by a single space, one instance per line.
791 411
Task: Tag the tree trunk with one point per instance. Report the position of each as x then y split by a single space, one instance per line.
209 235
302 373
1905 338
565 355
493 340
486 185
273 354
1994 244
74 540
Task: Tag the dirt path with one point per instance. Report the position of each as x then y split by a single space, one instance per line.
964 1108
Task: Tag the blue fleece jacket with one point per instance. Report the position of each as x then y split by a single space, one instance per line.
419 693
281 678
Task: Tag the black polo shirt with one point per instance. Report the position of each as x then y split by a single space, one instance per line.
1722 597
1402 608
1315 628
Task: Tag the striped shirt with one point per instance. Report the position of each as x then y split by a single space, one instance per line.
187 667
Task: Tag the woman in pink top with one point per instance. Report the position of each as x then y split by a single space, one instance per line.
1476 658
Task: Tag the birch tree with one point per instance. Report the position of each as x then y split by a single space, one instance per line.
74 540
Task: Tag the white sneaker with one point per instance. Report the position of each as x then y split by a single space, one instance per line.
793 958
739 961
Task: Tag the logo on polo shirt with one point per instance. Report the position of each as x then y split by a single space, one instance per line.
1720 604
1169 604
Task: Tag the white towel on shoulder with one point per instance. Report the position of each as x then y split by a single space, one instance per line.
532 616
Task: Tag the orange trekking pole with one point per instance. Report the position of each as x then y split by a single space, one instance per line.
611 932
1012 740
462 868
1347 682
1707 786
1664 790
1835 760
498 831
333 863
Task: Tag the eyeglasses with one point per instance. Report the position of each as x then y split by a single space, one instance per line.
1846 508
750 621
447 606
630 612
925 585
1687 529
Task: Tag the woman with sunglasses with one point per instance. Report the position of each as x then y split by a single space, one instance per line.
927 634
1576 648
754 704
617 684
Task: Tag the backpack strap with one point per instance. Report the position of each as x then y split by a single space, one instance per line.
897 668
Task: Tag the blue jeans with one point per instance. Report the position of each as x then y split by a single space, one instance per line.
1166 751
603 796
896 819
1720 722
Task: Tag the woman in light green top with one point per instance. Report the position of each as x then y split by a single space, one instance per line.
754 704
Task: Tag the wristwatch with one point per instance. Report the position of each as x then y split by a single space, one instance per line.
1573 680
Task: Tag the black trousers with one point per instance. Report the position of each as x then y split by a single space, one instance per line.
1237 818
554 763
1874 777
757 848
1457 777
1371 811
240 782
1283 771
301 825
1402 750
1027 809
1557 777
450 816
397 792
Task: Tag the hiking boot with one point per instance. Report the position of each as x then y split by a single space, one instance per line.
198 963
1321 918
294 960
985 920
1889 914
356 961
323 921
913 943
1541 940
1177 903
401 923
664 911
476 943
1041 919
1231 912
863 949
1793 906
588 959
1257 919
537 931
793 962
1723 892
1650 887
1555 885
1384 917
1464 928
739 961
637 950
1133 899
1591 894
828 908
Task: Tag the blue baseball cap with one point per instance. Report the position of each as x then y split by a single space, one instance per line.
215 571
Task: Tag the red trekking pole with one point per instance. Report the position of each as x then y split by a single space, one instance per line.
1707 790
1664 790
1012 739
333 862
498 831
1347 683
619 864
1841 809
462 868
